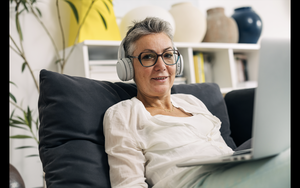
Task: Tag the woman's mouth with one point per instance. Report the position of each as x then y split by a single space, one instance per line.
161 78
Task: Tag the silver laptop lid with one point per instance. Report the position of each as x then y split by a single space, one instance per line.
271 123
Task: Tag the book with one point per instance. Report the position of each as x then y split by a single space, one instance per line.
199 67
241 67
208 69
202 67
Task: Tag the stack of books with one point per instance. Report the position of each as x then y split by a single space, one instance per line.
241 67
202 67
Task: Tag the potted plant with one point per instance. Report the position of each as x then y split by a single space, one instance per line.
27 120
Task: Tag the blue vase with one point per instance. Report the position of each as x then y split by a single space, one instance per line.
249 24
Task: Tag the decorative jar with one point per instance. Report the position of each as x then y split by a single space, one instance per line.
140 13
220 28
190 22
249 24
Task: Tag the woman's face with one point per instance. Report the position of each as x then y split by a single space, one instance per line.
155 81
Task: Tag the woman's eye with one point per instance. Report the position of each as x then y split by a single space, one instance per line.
148 56
168 55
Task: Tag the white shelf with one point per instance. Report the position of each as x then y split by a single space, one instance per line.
101 43
96 53
217 46
203 45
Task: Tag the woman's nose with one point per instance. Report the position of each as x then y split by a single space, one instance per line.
160 65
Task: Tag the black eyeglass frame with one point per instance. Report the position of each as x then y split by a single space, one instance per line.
139 58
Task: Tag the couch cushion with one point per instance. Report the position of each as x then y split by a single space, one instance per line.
71 111
240 105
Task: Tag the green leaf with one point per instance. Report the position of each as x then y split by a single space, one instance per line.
103 20
12 83
14 121
23 66
33 1
25 119
22 120
37 123
12 97
16 126
58 61
74 10
111 2
106 6
12 114
34 155
38 10
24 4
19 26
19 136
29 117
24 147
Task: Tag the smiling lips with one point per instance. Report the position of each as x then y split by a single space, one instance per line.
160 78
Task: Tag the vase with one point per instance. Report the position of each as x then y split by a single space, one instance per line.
15 179
140 13
190 22
100 23
220 28
249 24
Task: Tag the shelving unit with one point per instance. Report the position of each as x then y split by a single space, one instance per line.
89 56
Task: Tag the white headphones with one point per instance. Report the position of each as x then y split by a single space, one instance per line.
125 68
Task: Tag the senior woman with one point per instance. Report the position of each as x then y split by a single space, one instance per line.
146 136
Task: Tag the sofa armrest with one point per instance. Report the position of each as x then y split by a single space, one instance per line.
240 111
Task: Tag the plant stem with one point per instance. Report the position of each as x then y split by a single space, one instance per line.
62 31
35 138
22 54
17 106
15 50
48 33
77 35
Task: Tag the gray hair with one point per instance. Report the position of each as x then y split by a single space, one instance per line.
147 26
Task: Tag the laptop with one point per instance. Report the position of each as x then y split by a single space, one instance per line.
272 109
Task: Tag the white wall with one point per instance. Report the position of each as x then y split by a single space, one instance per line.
40 53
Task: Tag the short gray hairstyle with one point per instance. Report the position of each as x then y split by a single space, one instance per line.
150 25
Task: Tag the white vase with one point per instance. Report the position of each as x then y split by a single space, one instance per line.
140 13
190 22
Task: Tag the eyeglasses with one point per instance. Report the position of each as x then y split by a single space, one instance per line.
149 59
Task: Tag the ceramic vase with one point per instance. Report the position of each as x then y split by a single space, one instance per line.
140 13
190 22
220 28
249 24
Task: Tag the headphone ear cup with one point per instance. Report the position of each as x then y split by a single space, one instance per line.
179 67
125 69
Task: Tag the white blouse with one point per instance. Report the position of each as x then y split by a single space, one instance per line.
144 147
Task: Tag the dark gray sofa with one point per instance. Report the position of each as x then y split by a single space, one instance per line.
71 111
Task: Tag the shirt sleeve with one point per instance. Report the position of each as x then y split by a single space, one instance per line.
125 158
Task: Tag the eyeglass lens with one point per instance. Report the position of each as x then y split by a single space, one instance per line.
150 58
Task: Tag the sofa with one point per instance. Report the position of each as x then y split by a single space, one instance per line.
71 111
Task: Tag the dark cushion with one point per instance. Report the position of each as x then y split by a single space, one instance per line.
240 104
71 111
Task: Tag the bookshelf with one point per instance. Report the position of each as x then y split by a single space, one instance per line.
97 60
